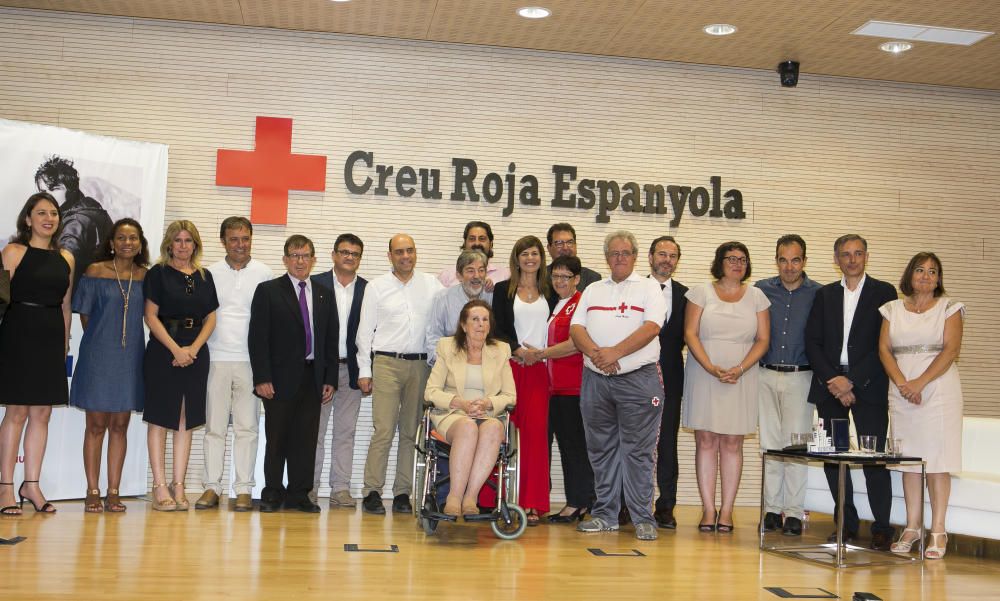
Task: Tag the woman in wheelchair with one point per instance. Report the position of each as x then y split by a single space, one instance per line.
470 384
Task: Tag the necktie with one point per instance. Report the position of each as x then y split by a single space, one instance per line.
304 308
662 286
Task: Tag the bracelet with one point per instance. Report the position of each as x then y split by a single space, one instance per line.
740 365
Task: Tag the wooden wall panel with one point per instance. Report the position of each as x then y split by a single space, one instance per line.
910 167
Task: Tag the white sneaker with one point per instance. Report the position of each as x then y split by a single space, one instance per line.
596 525
645 532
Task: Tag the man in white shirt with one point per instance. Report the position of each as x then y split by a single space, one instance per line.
349 290
471 271
478 235
394 315
616 327
230 379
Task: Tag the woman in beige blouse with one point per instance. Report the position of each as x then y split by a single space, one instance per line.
470 385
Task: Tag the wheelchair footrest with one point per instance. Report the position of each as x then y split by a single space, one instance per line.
480 517
441 517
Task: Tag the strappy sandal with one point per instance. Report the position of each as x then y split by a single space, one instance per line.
936 551
182 503
167 504
46 506
92 504
903 547
10 509
112 503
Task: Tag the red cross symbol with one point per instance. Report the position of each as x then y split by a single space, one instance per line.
270 170
622 307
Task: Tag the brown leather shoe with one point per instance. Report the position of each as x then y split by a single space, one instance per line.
208 500
243 502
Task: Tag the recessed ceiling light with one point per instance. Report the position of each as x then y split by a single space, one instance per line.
719 29
895 47
534 12
922 33
340 0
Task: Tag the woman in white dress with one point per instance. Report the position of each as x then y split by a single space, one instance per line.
921 338
727 329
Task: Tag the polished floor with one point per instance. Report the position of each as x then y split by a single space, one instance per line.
219 554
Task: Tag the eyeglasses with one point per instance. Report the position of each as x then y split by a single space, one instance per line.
299 257
734 260
562 243
188 284
620 254
353 254
562 277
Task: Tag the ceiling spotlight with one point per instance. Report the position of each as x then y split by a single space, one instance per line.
534 12
719 29
895 47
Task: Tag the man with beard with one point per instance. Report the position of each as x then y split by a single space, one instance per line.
478 236
85 223
562 243
471 270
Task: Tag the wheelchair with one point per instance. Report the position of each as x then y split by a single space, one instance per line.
508 520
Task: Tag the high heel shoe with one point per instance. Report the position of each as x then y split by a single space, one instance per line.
576 516
181 500
10 509
167 504
92 504
113 503
45 508
708 527
936 551
903 547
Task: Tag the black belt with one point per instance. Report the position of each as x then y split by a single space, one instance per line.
342 361
785 368
406 356
309 362
174 325
843 369
28 304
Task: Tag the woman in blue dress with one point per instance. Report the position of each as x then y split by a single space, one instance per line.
108 379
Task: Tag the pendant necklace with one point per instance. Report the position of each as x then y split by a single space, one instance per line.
126 294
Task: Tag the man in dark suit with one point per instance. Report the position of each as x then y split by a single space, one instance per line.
348 290
293 353
562 242
842 345
664 254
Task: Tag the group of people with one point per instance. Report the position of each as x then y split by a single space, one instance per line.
594 363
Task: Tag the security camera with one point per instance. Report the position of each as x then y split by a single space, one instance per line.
789 72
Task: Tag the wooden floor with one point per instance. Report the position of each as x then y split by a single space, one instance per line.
147 555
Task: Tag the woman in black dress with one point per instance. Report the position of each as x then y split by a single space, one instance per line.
180 312
37 321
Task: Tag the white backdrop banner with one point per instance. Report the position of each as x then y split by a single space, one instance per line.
127 179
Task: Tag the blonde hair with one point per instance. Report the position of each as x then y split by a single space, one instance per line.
182 225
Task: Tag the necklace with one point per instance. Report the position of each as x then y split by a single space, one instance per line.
917 309
126 294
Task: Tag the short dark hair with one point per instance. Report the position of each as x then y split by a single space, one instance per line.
906 282
720 256
460 337
141 258
234 223
571 263
298 241
848 238
790 239
57 171
652 246
350 239
23 232
559 227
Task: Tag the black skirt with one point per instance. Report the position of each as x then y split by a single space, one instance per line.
167 387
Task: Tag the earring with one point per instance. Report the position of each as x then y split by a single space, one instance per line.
112 252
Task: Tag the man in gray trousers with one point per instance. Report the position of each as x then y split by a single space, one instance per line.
616 327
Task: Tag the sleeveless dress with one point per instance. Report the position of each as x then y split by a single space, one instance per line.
931 430
178 296
33 333
727 331
108 376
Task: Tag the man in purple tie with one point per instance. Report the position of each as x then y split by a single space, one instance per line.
293 343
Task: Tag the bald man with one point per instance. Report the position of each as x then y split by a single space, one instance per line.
394 316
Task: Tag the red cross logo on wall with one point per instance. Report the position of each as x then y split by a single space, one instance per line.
270 170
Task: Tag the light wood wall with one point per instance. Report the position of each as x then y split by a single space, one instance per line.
909 167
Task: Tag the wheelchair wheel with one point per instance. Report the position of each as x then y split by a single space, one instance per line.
513 529
512 476
419 473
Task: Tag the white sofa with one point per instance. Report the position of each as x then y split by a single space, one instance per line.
974 508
